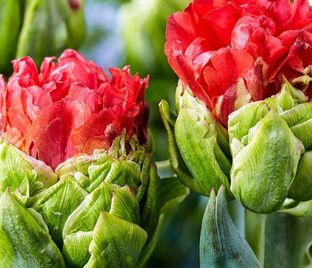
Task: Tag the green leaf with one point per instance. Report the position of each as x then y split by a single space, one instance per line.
220 242
115 242
24 242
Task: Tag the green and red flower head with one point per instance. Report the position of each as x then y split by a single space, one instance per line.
71 106
233 52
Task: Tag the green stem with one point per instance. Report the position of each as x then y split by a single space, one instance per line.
255 233
287 242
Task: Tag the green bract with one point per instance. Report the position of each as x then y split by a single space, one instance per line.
270 143
38 28
198 145
99 210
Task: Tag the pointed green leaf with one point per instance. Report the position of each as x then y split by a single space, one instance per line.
220 242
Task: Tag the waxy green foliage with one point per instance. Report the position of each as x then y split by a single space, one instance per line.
38 28
98 210
221 245
264 156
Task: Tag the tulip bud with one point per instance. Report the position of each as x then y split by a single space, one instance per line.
197 136
10 22
266 149
49 27
264 164
39 28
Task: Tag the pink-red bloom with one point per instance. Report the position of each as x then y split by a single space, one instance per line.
70 107
232 52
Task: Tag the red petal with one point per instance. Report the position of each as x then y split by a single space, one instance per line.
225 67
3 93
93 134
51 131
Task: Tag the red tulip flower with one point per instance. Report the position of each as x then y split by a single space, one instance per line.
71 106
233 52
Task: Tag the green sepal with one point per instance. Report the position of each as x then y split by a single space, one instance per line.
299 119
23 172
78 229
265 164
244 119
193 143
175 158
286 99
56 203
23 241
185 99
150 206
300 210
301 188
220 242
117 166
115 242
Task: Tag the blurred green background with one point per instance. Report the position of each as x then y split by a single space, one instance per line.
133 32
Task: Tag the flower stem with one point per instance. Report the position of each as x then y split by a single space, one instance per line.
255 225
287 241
